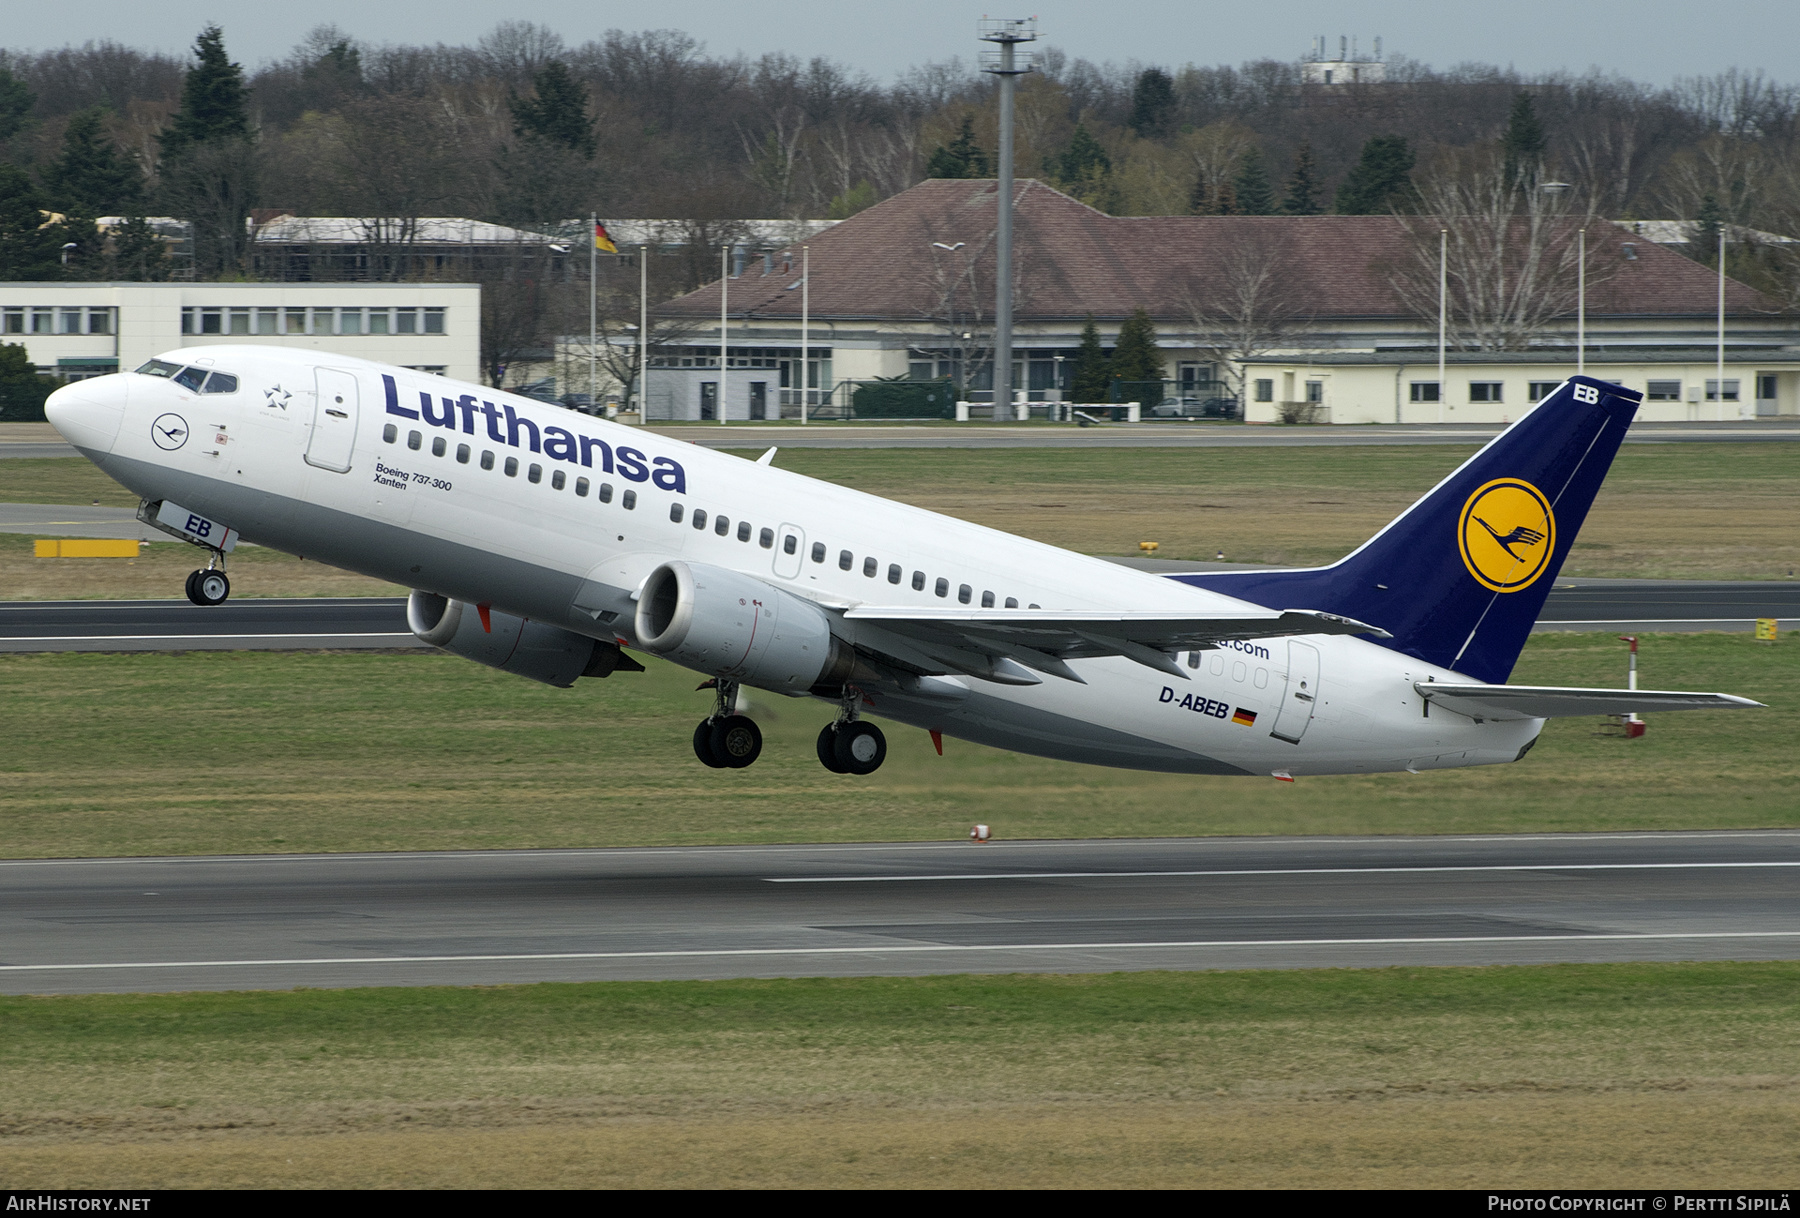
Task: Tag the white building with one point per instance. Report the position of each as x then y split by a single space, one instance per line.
76 330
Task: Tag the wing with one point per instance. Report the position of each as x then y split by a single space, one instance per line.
1013 645
1550 702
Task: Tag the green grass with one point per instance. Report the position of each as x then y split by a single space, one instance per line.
1647 1075
259 752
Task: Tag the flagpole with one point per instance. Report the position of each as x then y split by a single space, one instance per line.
805 318
1719 409
724 360
593 311
1581 310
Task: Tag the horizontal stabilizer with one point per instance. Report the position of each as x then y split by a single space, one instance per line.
1551 702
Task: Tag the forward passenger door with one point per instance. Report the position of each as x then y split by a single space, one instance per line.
334 421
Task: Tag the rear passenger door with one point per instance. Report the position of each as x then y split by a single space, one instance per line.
334 421
790 549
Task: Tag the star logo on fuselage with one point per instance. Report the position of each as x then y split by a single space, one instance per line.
277 396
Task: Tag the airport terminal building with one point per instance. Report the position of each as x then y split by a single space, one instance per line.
77 330
1347 334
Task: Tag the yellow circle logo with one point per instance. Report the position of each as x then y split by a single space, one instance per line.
1507 534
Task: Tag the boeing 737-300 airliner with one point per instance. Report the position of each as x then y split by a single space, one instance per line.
546 543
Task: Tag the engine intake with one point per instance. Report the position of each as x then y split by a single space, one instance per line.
736 626
513 644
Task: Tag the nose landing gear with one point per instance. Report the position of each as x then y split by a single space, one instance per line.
726 740
208 586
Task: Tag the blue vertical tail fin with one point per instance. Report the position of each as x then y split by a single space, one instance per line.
1459 578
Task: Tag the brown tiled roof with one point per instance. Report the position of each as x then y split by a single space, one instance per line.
881 264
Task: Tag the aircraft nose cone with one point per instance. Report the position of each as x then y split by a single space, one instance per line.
88 413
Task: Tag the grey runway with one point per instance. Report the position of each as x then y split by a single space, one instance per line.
483 918
274 624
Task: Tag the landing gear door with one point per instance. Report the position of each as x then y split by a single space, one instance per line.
790 545
334 421
1301 696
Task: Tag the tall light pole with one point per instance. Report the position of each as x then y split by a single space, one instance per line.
643 393
1443 311
1581 309
724 292
1719 411
1007 32
593 310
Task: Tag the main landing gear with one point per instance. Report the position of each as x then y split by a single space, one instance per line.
726 740
848 745
209 585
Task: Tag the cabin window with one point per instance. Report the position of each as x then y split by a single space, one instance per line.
721 525
845 558
699 518
628 501
413 440
438 447
743 530
581 488
535 473
918 581
943 587
870 566
766 539
1034 606
789 544
512 467
818 551
963 593
462 454
390 433
604 494
1012 602
893 573
675 512
987 600
557 480
487 459
1193 659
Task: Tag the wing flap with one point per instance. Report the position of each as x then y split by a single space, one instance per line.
1552 702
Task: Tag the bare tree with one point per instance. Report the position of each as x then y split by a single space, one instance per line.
1248 304
1513 253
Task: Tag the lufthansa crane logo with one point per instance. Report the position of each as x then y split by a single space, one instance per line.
1507 534
170 431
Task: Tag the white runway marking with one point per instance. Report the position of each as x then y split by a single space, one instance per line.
899 949
1130 875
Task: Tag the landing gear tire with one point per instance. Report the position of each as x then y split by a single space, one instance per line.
828 749
703 749
860 748
736 741
208 587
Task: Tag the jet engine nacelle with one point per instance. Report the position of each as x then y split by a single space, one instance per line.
740 628
513 644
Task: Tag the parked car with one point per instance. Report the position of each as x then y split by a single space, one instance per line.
1178 408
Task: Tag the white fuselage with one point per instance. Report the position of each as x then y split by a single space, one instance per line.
266 460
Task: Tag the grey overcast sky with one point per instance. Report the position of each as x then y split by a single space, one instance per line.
1653 41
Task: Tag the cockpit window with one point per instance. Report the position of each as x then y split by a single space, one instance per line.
191 378
220 382
162 368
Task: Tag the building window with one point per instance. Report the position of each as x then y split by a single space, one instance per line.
1731 391
70 322
378 321
99 321
434 321
296 321
321 322
1664 391
350 321
1265 389
1765 387
268 321
1484 391
1315 392
43 321
240 321
406 321
1543 389
14 322
1427 391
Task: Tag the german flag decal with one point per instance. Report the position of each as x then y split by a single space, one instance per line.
1244 718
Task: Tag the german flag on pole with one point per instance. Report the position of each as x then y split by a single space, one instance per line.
603 240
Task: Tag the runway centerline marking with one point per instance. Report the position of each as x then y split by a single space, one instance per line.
1137 875
900 949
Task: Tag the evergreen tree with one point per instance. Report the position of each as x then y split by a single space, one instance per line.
1084 160
1152 103
1092 376
1136 358
1523 144
1225 203
1381 180
1303 185
16 102
1703 244
138 254
28 248
214 100
90 178
1200 202
558 114
963 158
22 389
1255 196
